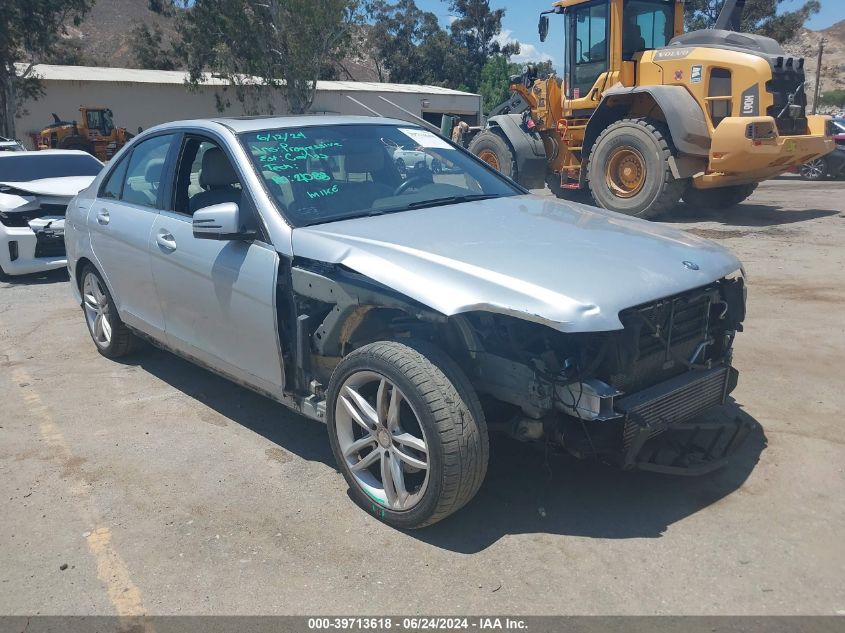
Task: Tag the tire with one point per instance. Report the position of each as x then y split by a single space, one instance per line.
438 406
657 191
495 151
112 339
720 198
814 170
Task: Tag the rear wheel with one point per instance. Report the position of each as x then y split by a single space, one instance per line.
495 151
719 198
628 170
407 431
111 336
815 169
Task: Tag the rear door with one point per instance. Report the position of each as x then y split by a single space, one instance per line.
218 297
121 222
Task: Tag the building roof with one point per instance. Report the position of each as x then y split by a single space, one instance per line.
51 72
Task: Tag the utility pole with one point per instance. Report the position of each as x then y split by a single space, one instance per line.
818 76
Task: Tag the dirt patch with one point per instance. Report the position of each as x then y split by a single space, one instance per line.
808 293
278 454
716 234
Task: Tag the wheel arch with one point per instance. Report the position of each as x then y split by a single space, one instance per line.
84 261
528 149
689 134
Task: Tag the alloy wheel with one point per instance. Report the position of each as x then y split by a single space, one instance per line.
96 304
813 170
381 440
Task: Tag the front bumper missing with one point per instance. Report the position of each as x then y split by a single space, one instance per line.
661 430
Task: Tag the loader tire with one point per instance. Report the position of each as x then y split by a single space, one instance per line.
628 170
495 151
720 198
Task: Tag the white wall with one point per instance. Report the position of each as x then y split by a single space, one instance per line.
148 104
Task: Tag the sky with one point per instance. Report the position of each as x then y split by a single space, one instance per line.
520 24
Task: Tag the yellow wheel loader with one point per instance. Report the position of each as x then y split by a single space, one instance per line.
647 114
95 133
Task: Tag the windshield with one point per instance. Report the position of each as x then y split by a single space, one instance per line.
648 24
32 166
327 173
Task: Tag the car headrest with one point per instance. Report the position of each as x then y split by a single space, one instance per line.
217 171
154 171
364 160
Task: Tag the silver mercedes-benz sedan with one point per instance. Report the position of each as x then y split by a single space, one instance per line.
414 311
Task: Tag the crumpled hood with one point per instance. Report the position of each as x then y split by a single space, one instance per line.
566 265
29 195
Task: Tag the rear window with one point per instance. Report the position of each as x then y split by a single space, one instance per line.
23 168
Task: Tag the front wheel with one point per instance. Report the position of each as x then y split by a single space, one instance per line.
815 169
407 431
495 151
628 169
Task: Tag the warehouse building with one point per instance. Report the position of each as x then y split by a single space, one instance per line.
144 98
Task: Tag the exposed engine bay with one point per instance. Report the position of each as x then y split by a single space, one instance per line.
630 397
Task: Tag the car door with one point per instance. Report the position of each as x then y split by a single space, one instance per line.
121 223
218 297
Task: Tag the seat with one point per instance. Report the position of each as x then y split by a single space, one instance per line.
633 41
369 160
217 178
146 194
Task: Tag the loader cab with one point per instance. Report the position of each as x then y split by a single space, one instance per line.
605 38
99 119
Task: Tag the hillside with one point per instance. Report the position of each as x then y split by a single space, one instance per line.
103 38
806 45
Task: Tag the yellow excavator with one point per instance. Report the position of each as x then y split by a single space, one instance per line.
647 114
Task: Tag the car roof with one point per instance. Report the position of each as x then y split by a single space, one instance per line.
254 124
49 152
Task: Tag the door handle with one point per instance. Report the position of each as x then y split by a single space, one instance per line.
166 240
102 217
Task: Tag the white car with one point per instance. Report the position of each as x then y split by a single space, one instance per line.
35 188
411 156
8 145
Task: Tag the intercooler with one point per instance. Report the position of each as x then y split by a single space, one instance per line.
677 400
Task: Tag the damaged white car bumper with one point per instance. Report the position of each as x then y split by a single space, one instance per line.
36 247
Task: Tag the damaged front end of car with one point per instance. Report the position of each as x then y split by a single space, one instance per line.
633 397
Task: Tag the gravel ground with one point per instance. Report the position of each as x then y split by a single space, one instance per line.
166 490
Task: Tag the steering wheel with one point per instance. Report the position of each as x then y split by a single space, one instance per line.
417 181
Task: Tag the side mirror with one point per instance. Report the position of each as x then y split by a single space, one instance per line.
543 27
220 222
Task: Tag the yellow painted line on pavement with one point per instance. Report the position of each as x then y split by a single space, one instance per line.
111 568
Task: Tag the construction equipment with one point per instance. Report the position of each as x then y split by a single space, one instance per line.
95 133
648 114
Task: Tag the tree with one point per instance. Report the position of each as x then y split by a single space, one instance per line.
29 31
148 48
396 32
494 87
759 16
475 28
835 98
265 46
